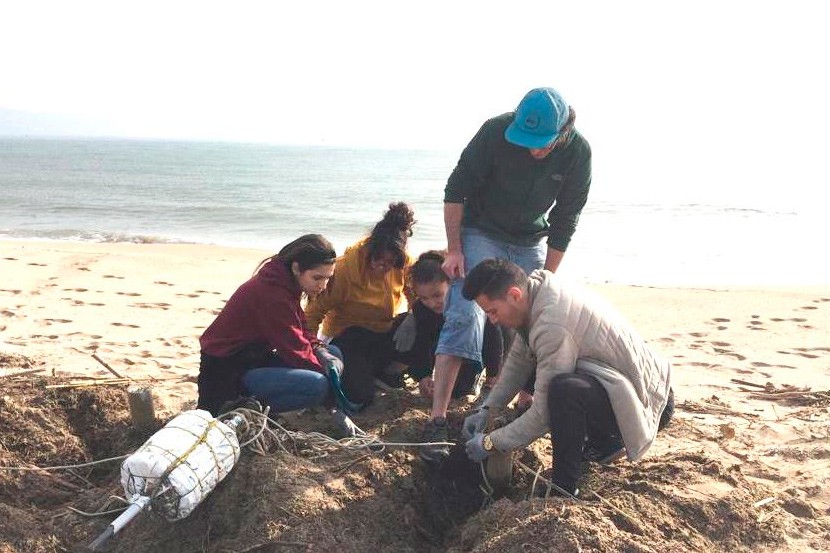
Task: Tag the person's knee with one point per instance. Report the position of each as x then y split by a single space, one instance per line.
564 393
318 388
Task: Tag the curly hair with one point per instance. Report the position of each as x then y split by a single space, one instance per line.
391 234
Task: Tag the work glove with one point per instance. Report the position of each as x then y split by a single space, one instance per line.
475 423
329 361
346 425
404 337
333 367
475 448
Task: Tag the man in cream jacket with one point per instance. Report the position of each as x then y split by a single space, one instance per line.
598 388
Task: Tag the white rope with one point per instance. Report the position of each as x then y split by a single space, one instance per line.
69 467
271 435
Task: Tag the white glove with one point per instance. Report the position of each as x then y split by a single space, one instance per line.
475 423
404 337
346 425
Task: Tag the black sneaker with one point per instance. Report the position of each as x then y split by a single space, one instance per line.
606 452
435 430
389 381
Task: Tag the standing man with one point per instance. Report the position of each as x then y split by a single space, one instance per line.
516 194
599 389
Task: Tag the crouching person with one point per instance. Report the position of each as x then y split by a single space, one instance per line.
598 388
259 344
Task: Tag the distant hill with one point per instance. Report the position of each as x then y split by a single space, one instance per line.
23 123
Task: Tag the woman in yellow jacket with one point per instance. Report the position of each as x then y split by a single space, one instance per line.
358 307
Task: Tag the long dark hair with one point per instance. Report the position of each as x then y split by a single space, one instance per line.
427 268
309 251
391 234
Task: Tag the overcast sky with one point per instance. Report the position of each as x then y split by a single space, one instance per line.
727 96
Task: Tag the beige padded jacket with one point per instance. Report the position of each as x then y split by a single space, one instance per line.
572 329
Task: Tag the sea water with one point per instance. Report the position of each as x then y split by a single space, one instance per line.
263 196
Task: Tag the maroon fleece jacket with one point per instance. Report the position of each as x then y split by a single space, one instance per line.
265 310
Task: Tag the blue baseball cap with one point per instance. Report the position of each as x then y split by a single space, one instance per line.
540 116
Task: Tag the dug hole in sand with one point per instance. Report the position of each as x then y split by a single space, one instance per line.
680 498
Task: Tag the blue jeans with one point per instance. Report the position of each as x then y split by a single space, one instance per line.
287 388
463 331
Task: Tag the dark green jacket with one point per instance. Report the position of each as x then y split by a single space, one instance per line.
507 193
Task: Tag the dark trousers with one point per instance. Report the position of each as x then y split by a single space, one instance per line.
580 410
365 355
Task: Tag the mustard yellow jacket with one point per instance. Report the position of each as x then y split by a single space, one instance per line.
352 298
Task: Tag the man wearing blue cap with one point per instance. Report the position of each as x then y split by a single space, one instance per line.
516 194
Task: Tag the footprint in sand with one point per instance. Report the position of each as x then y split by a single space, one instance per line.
698 334
3 327
188 295
760 364
131 294
125 324
6 313
96 336
58 320
737 356
667 340
76 289
821 300
163 283
15 292
113 276
77 302
37 264
808 307
83 269
721 344
720 320
97 304
10 258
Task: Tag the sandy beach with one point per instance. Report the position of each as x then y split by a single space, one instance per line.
142 307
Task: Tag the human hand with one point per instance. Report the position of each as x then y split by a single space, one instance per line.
454 264
335 364
329 361
426 386
475 423
475 448
404 337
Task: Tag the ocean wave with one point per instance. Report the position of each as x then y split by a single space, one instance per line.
75 235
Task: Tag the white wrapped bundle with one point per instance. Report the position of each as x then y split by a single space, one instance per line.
186 459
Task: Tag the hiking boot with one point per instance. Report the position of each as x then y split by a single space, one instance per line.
605 452
435 430
389 382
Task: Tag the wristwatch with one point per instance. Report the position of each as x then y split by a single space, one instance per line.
487 443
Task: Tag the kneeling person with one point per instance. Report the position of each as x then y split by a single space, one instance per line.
598 387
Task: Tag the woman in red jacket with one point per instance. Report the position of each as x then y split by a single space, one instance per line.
259 344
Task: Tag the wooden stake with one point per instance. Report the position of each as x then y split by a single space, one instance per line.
110 369
141 408
22 373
